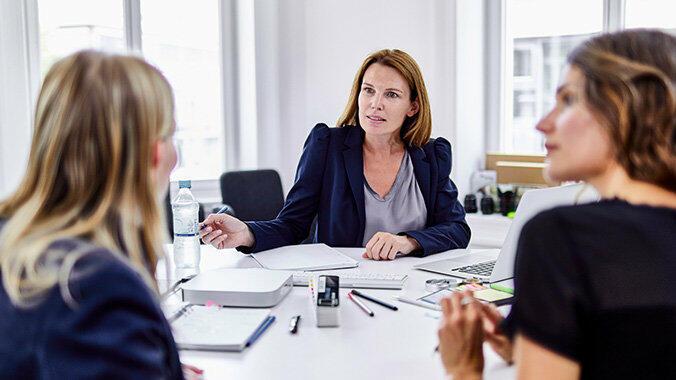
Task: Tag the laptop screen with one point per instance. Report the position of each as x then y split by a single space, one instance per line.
532 203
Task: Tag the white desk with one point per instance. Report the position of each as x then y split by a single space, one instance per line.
393 344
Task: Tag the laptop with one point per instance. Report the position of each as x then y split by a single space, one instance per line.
495 265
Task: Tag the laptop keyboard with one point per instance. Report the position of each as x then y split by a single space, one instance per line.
481 269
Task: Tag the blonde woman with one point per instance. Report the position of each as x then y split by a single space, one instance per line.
376 181
81 236
594 283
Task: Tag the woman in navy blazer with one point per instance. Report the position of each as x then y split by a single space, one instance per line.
81 236
386 124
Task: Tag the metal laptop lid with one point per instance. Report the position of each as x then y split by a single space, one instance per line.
532 203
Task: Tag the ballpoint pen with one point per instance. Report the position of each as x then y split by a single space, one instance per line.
223 210
261 330
379 302
360 304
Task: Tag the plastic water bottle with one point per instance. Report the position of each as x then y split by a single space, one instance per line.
186 240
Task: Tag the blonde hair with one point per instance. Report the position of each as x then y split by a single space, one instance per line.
417 129
97 120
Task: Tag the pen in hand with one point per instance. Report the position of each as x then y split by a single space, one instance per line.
223 210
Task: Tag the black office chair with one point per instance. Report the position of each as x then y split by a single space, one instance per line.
255 195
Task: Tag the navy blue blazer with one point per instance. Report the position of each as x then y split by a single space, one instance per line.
116 330
330 184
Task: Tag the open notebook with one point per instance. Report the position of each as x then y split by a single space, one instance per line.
216 328
304 257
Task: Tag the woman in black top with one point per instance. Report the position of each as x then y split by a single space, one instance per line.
595 284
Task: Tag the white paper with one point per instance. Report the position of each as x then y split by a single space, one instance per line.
304 257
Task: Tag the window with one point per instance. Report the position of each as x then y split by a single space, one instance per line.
651 14
539 34
182 40
187 52
95 25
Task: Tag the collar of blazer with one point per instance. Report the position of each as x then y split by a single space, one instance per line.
354 165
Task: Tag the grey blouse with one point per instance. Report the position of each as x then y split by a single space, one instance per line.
403 208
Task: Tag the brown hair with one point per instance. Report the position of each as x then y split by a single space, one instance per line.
89 172
629 85
416 129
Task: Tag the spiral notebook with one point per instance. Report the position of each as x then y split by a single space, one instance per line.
216 328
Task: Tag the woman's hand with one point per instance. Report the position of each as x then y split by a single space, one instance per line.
225 231
384 246
461 337
491 318
191 372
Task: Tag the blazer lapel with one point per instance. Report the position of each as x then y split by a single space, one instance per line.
421 167
354 166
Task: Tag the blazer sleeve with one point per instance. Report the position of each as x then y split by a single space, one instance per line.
115 329
293 223
448 230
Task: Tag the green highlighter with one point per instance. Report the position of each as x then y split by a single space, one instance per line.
502 288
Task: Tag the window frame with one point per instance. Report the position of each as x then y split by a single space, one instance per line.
206 190
500 100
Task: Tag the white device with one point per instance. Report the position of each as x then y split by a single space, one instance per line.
497 265
355 279
240 287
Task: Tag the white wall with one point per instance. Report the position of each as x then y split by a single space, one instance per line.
320 46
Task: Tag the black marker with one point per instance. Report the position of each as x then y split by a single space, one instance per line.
293 325
379 302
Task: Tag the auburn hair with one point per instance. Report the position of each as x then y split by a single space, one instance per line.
630 79
416 129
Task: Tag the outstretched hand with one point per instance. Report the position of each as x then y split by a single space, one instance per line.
225 231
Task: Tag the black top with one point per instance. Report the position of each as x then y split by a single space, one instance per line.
116 329
597 284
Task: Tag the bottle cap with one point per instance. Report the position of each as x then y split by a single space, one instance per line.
184 184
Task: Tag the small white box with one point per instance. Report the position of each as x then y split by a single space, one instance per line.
243 287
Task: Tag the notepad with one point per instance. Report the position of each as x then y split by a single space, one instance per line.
216 328
304 257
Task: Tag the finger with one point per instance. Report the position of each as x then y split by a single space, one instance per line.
211 219
392 253
456 302
211 236
446 306
205 231
377 247
220 241
385 250
192 368
370 244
